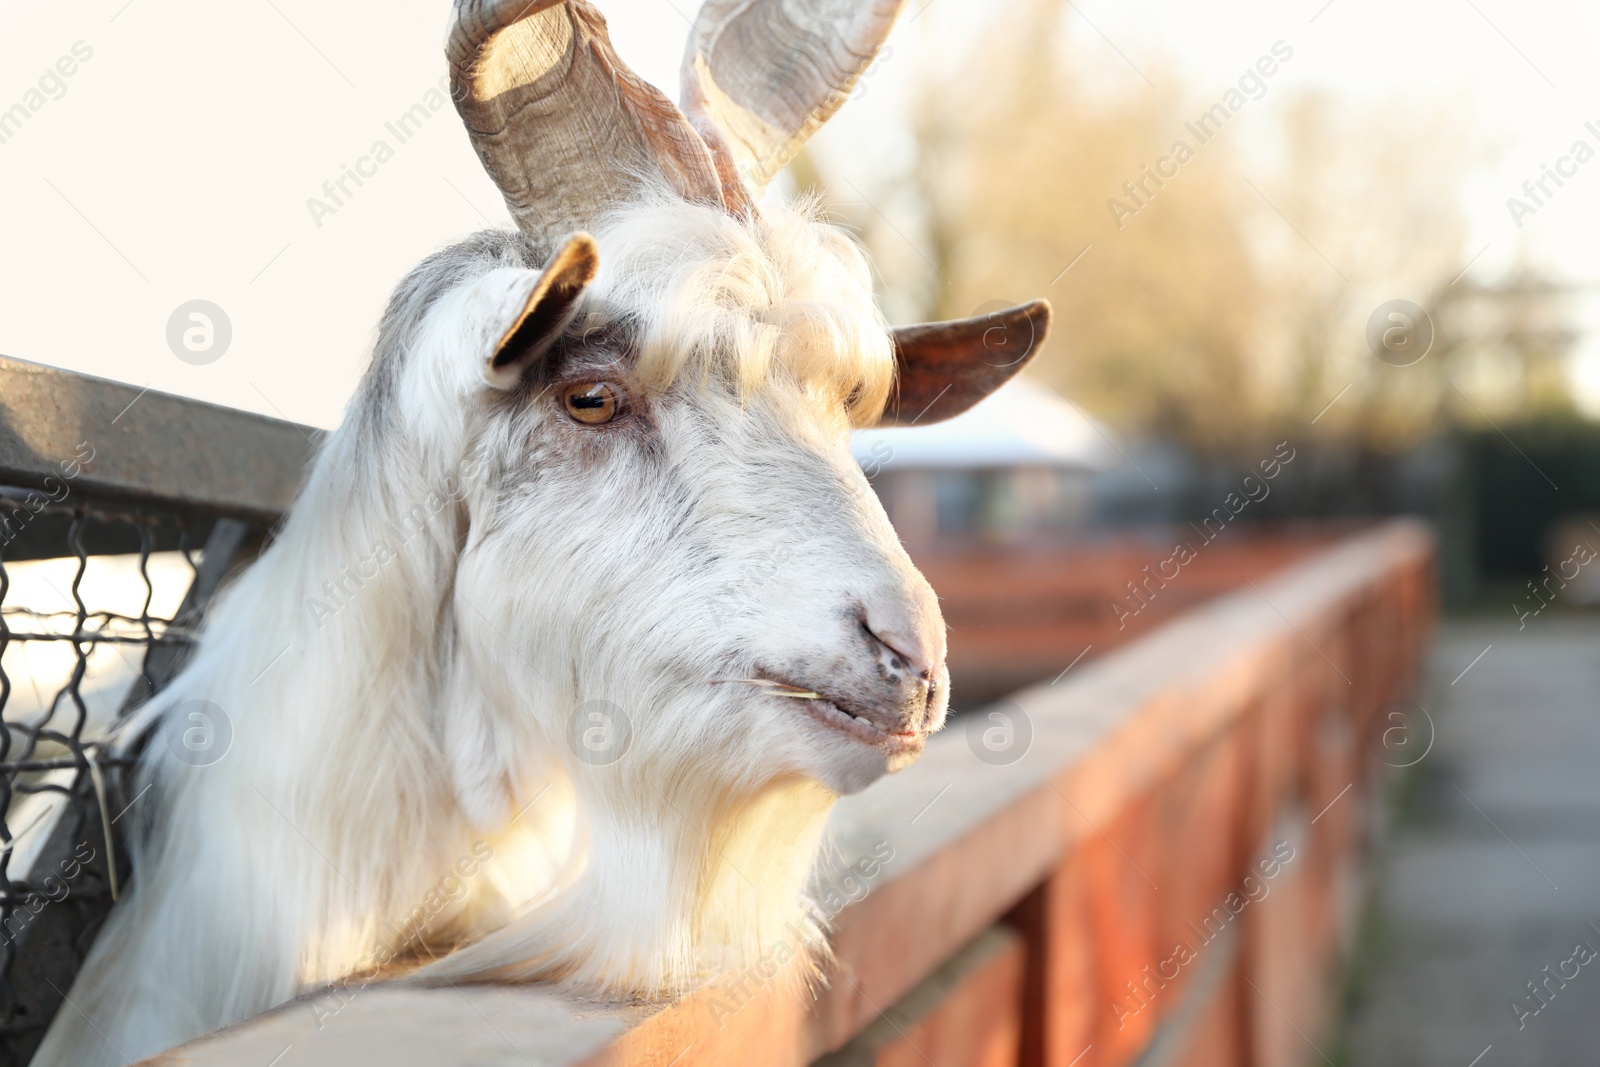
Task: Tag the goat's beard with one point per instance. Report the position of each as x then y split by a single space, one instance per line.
690 824
675 883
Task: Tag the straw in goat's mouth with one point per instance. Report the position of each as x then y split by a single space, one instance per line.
780 689
777 689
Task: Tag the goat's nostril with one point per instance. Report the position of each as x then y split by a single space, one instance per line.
900 652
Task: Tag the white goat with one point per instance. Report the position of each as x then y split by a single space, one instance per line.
504 701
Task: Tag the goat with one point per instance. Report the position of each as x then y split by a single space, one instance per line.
506 635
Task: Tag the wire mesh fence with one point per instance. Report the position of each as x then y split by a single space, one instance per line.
61 788
121 513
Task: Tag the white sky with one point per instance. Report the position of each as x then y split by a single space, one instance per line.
177 164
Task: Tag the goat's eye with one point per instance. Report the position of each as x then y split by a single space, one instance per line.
595 403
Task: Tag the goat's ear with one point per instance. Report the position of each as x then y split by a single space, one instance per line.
943 368
537 315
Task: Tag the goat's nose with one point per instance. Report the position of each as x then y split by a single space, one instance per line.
900 652
904 634
904 647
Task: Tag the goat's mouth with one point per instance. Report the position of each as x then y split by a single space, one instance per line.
836 714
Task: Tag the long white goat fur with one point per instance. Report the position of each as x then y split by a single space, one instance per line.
385 731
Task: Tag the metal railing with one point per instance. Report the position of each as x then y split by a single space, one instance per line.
92 468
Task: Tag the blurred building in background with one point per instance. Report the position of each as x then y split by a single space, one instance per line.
1020 466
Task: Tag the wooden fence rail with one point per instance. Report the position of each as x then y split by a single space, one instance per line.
1164 876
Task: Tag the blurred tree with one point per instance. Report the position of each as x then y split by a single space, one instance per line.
1154 320
1226 305
1363 211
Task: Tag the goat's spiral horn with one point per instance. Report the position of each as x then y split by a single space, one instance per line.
760 76
564 128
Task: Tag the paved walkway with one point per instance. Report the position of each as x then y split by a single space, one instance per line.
1491 871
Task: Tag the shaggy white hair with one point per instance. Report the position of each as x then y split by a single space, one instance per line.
408 670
